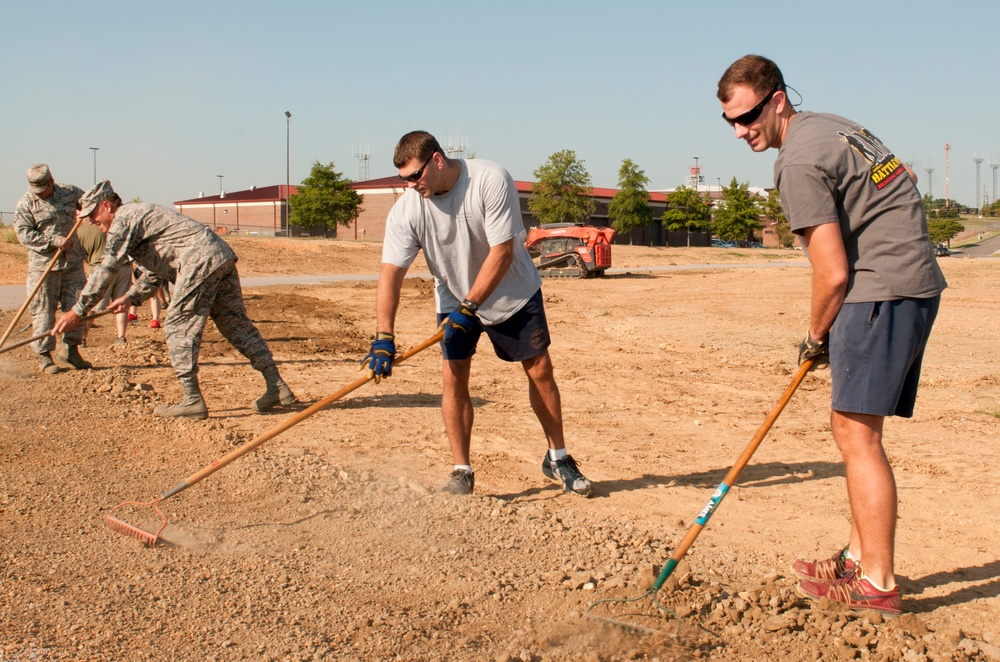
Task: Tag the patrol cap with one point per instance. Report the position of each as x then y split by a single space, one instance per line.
88 202
39 177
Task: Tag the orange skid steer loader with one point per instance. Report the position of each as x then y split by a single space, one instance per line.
570 250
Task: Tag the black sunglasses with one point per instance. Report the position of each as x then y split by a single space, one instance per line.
419 173
748 118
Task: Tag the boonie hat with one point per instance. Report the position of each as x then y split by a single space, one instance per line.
88 202
38 177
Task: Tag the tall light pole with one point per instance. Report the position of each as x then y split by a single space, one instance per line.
288 166
697 174
95 163
220 185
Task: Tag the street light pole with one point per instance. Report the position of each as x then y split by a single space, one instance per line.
288 166
95 163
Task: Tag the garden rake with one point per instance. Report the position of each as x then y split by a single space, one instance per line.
150 539
22 343
38 285
703 516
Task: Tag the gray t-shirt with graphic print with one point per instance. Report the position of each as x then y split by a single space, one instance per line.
832 170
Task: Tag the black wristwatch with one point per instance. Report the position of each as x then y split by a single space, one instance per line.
471 305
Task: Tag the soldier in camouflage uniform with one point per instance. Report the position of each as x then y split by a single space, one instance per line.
43 218
202 267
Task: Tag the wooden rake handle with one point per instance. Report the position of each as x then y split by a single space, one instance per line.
731 478
38 285
294 420
22 343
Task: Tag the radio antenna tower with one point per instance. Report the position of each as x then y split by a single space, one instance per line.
456 147
947 148
995 166
362 157
979 162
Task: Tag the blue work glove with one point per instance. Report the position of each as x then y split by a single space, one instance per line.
819 352
379 358
460 320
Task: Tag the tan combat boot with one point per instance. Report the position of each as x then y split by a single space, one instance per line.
71 354
192 405
46 364
277 391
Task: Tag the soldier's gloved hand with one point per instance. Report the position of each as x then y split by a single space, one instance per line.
57 241
817 350
379 358
459 321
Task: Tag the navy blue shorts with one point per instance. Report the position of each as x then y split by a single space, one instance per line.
522 336
876 350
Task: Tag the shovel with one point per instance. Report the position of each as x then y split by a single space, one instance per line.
704 514
150 539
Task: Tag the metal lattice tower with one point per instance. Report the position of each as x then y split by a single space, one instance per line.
979 162
362 157
456 147
995 166
930 188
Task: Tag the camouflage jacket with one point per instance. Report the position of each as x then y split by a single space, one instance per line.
37 221
170 247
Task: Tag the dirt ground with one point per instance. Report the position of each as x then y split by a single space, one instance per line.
330 543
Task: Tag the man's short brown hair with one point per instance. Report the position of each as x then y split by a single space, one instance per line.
415 145
756 72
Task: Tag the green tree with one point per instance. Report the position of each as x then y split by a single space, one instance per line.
562 192
686 210
737 216
324 199
941 230
773 213
630 207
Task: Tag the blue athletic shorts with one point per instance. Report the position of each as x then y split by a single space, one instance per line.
876 350
522 336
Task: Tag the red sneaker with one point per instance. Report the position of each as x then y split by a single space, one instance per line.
155 324
854 592
837 566
133 318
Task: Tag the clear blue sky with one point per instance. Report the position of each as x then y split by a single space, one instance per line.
175 93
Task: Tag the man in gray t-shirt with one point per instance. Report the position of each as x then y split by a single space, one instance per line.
876 288
466 218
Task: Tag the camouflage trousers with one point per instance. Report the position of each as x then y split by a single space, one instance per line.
59 292
220 297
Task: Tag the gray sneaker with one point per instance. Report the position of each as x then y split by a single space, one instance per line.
567 473
120 341
459 482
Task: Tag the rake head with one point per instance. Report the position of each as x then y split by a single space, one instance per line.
628 625
126 529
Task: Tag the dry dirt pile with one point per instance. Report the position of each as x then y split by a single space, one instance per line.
329 542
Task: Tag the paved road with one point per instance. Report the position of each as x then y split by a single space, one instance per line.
984 248
12 296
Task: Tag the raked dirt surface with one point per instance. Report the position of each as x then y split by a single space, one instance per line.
329 542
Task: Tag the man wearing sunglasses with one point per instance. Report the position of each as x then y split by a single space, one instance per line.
465 216
876 287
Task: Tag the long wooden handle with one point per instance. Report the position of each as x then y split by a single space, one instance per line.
22 343
294 420
38 285
731 478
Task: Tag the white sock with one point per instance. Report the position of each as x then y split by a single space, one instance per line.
464 467
881 589
557 454
848 555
